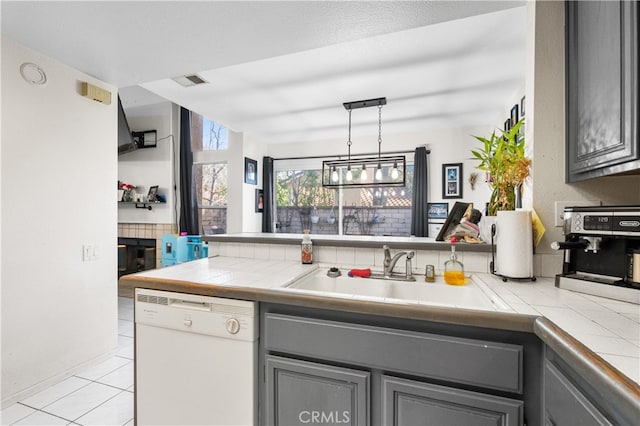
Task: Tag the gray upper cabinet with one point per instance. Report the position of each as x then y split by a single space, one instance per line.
602 89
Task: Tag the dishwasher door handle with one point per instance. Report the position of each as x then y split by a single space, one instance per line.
194 306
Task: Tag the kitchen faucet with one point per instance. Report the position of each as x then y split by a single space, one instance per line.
390 262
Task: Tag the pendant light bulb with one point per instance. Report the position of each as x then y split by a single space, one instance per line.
334 174
349 174
394 171
379 172
364 175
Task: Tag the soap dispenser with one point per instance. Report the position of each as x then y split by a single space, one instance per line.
306 254
453 268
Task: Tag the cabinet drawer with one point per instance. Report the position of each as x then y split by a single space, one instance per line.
467 361
408 402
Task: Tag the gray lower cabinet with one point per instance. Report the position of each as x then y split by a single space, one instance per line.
602 89
565 404
351 370
301 392
410 403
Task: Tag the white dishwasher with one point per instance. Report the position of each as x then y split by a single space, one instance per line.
195 360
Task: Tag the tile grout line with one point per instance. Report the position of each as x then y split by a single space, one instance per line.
63 396
99 405
41 411
101 383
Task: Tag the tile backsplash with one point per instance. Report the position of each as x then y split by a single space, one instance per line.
545 265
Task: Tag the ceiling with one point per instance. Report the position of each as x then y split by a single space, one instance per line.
280 71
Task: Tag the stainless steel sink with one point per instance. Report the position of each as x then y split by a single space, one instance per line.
473 295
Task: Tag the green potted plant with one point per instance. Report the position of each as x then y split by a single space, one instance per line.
503 158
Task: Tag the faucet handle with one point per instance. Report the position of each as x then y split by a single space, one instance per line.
408 273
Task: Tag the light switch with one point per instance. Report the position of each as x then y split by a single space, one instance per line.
90 252
86 252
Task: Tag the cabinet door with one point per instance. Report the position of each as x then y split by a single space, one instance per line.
601 49
407 402
565 404
301 392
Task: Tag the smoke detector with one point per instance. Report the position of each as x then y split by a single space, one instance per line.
189 80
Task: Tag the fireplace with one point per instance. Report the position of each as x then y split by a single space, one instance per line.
135 255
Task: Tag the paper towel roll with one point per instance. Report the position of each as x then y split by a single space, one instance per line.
514 241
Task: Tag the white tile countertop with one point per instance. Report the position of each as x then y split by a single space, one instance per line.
609 328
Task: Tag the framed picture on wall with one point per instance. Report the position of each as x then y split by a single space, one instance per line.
452 180
514 115
437 210
259 200
250 171
152 197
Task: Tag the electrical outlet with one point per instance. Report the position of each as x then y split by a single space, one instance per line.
560 206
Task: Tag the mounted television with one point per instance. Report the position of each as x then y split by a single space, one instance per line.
453 219
125 137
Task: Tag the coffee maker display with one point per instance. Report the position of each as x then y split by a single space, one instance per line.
601 252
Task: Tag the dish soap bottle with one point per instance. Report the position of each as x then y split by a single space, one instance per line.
306 254
454 269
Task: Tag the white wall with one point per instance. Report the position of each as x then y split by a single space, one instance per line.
446 145
58 190
151 166
546 119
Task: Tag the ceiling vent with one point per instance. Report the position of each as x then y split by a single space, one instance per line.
189 80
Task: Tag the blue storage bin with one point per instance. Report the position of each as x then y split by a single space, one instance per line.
174 249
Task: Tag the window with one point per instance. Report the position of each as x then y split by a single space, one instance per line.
302 203
211 190
207 135
209 142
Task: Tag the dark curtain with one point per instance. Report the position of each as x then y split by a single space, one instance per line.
188 201
269 195
419 226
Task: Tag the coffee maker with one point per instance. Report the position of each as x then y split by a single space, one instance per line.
601 252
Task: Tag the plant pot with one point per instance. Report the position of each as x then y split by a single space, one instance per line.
331 220
128 195
315 219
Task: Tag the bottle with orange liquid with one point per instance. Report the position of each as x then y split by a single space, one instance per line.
454 269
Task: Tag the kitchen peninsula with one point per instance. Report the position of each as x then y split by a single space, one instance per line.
552 364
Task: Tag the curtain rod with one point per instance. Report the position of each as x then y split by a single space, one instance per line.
344 155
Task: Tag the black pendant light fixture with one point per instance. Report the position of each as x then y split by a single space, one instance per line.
386 170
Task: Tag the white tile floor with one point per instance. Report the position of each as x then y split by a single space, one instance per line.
99 395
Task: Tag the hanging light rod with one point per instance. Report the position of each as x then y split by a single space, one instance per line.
364 104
